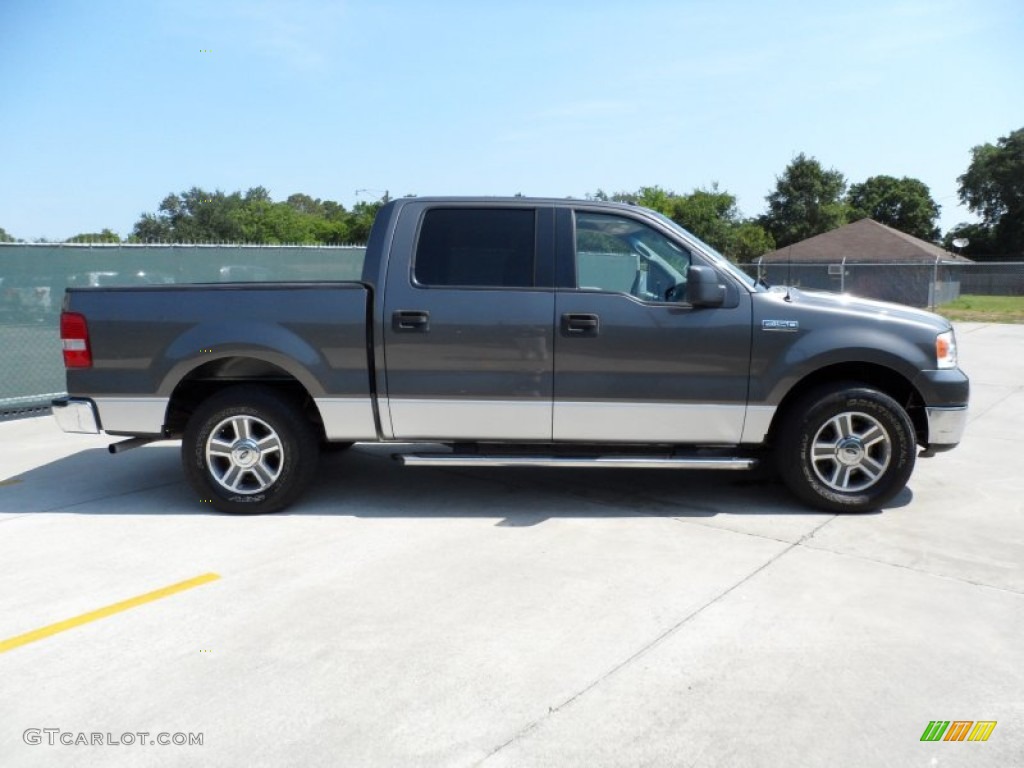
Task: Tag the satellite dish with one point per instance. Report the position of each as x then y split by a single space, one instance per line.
961 242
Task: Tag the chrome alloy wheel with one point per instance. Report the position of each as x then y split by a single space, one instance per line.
851 452
244 454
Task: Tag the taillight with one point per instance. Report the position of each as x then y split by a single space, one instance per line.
74 336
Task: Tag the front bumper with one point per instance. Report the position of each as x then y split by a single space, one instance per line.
945 388
74 414
945 393
945 426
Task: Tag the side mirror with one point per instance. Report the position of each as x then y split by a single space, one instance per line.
703 288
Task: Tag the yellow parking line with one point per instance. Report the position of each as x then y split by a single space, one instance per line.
110 610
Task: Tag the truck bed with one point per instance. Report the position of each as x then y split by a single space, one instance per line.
147 341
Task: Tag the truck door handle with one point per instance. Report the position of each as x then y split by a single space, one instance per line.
580 324
410 320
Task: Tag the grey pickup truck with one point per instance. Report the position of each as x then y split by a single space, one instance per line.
517 332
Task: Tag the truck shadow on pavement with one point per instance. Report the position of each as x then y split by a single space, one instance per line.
366 482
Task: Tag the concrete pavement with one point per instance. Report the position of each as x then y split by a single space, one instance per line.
497 617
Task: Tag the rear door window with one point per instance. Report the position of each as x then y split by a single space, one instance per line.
477 248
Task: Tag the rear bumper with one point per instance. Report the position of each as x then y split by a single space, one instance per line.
945 426
76 415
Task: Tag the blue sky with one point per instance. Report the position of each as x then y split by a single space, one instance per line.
106 107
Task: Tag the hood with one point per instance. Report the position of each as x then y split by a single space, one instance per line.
880 310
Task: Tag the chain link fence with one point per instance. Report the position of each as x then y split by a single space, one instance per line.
918 284
33 278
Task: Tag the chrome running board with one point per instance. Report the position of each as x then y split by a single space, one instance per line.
614 462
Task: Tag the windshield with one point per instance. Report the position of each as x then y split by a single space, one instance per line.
715 256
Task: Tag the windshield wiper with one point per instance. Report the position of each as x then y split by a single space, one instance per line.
762 281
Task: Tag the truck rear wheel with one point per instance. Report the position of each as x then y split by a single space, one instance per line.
846 448
249 450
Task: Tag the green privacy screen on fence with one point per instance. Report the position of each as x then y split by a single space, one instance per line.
33 279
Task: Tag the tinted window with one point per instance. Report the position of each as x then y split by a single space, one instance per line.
490 247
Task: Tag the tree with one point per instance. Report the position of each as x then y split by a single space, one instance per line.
106 236
807 201
710 214
655 198
905 204
4 237
750 240
980 240
257 194
621 197
993 187
151 228
204 217
713 216
304 204
361 220
276 223
193 216
200 216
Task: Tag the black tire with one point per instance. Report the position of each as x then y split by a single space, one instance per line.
865 448
260 445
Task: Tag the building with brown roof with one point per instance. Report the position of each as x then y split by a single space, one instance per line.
868 259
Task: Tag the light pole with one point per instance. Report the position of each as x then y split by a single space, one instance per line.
385 196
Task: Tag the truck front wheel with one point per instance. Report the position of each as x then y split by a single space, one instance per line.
249 450
846 448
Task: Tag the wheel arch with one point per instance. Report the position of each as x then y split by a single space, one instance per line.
880 377
209 378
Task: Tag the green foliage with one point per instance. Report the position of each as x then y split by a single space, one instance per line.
361 220
304 204
905 204
201 216
981 241
710 214
655 198
265 222
993 187
750 240
253 217
4 237
807 201
106 236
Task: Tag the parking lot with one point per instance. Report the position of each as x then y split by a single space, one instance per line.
512 617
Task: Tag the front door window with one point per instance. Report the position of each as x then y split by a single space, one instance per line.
620 255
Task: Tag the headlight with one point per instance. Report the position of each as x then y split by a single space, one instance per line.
945 349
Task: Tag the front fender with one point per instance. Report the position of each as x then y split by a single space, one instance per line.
783 359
